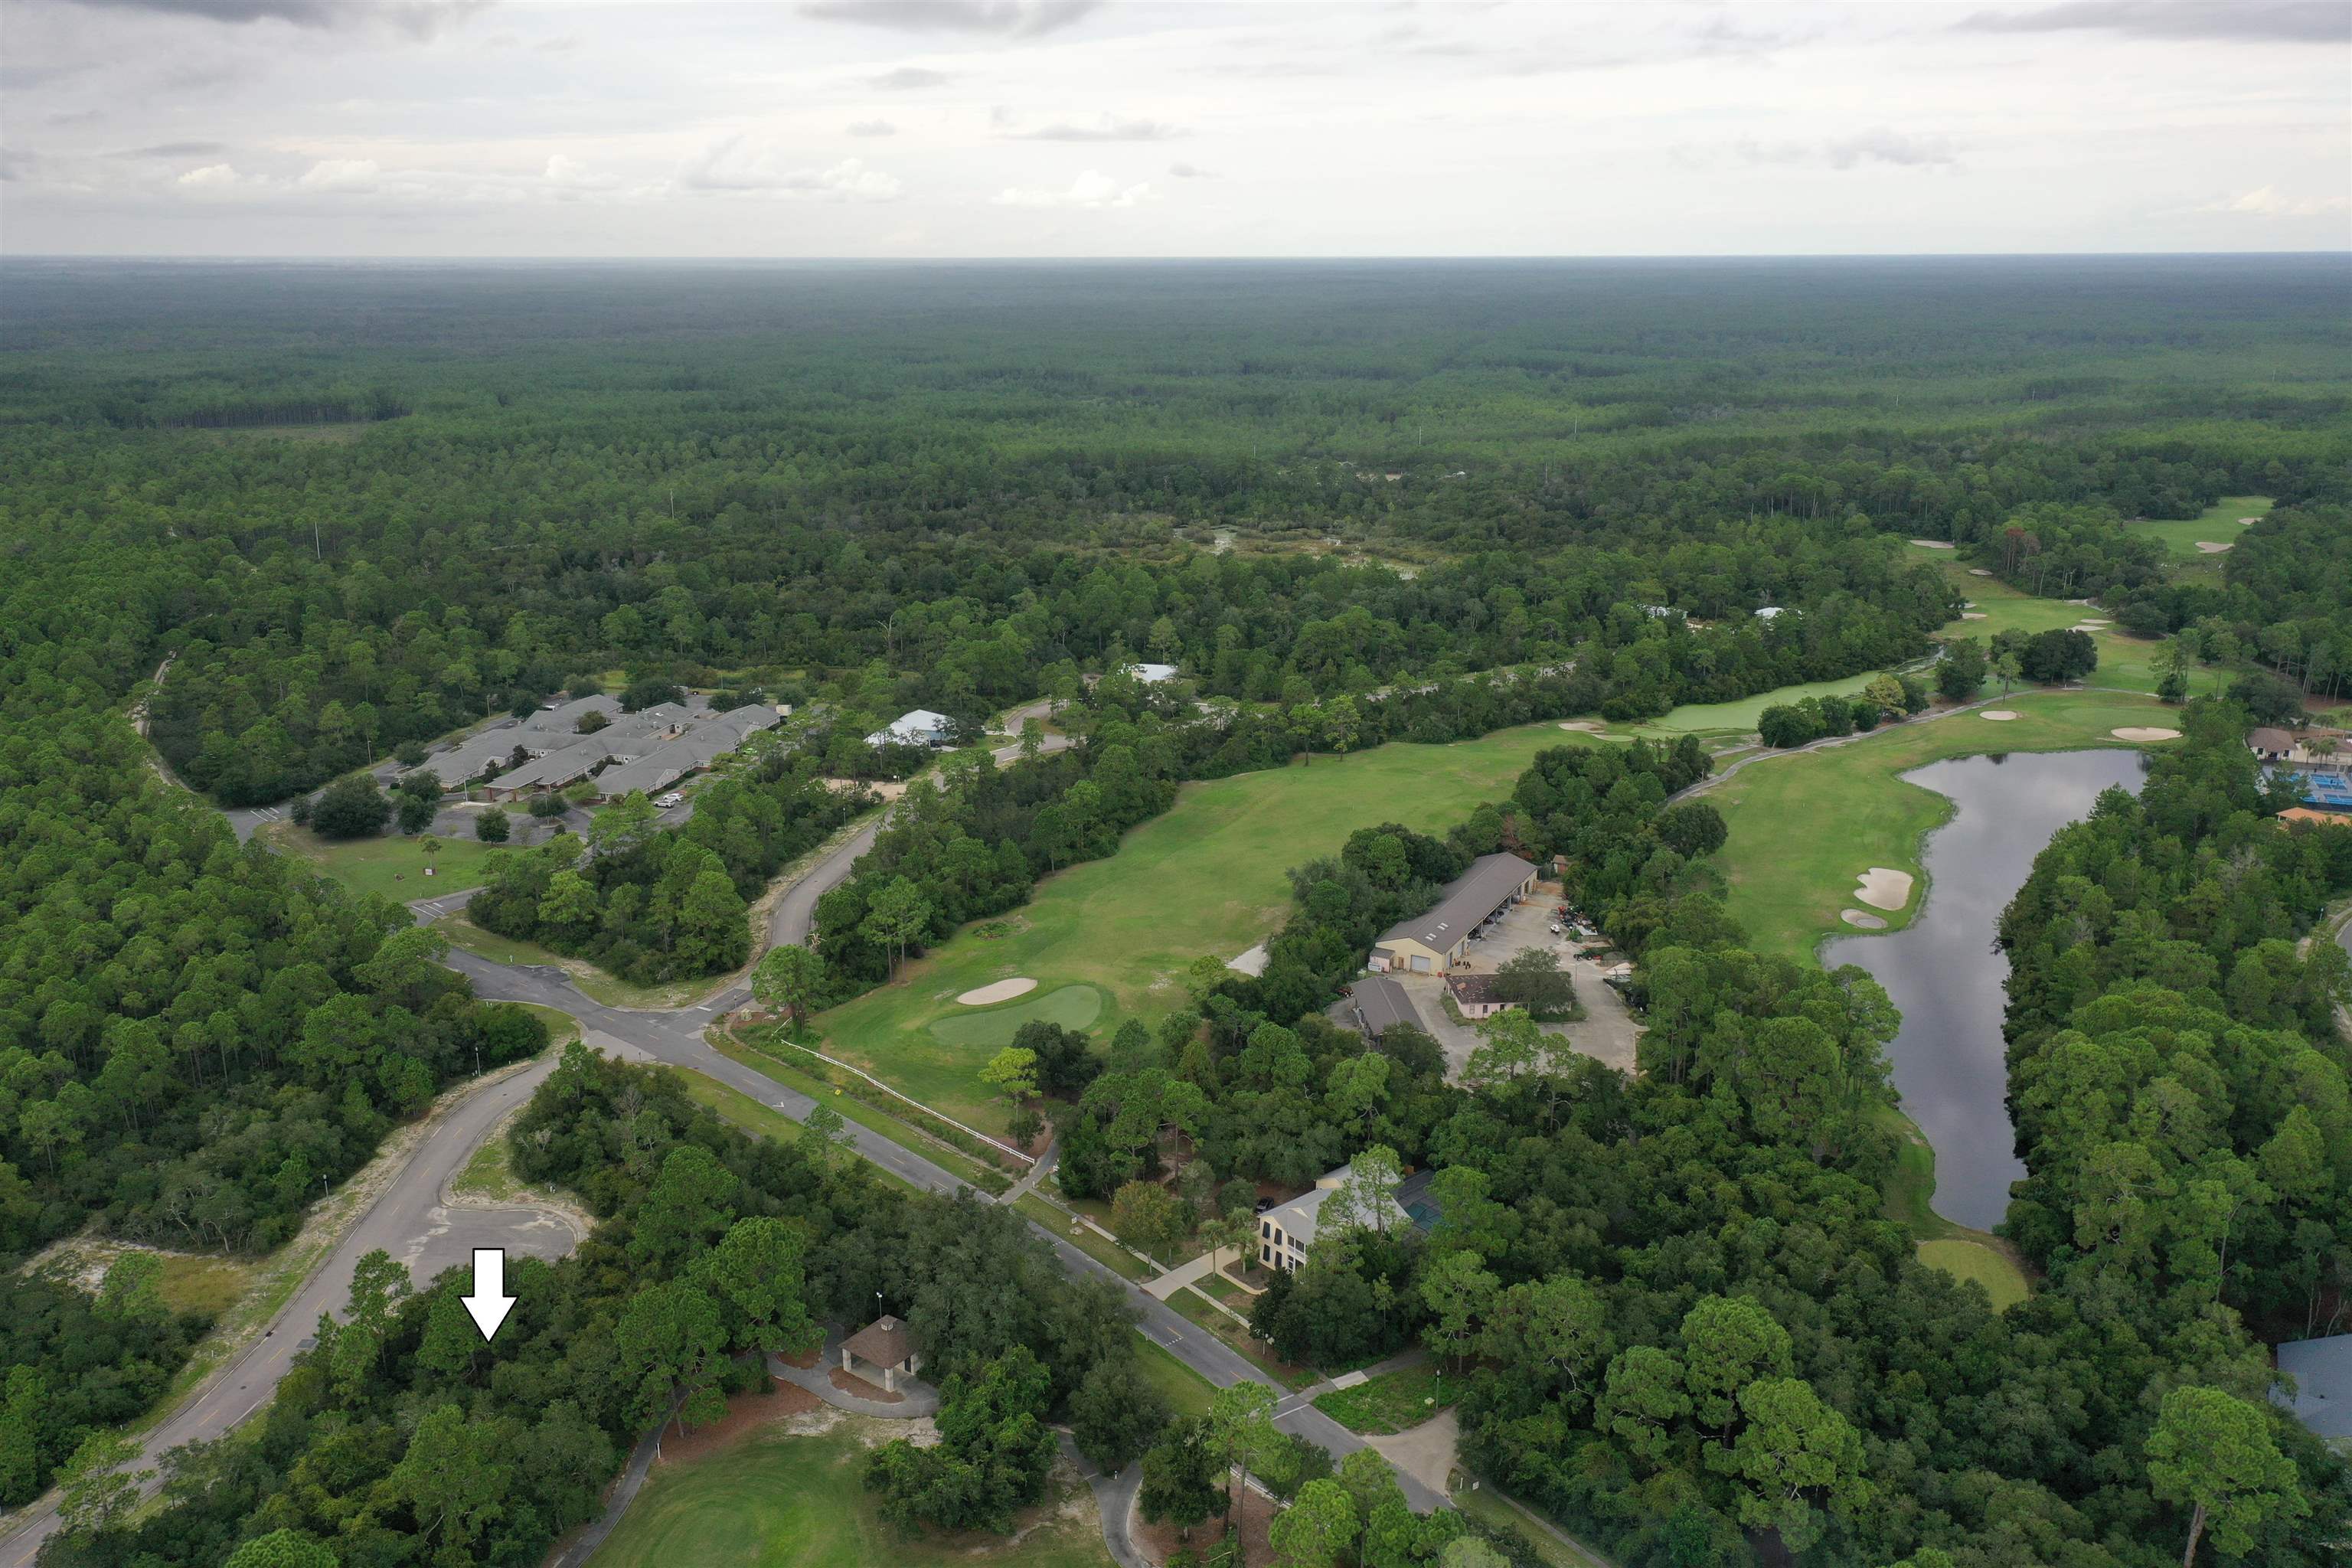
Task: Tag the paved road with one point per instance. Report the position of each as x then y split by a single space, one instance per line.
411 1223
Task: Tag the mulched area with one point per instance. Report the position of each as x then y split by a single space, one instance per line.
1254 1514
850 1383
746 1414
804 1360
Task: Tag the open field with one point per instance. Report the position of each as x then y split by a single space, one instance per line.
1975 1260
392 865
1186 1391
2125 661
1391 1403
978 1028
1208 877
2217 525
852 1108
1705 718
775 1500
1805 824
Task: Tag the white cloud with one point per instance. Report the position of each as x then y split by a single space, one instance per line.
740 165
211 177
1091 189
2266 201
356 176
872 128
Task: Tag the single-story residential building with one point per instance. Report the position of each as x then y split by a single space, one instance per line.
2322 1370
566 716
1381 1003
1285 1231
1434 943
1477 996
1152 674
920 728
886 1344
2270 742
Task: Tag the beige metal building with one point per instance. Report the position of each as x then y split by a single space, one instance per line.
1436 941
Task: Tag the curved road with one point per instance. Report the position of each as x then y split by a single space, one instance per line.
411 1223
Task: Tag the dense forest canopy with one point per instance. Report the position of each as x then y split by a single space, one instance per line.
358 507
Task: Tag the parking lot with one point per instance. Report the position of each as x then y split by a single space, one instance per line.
1606 1032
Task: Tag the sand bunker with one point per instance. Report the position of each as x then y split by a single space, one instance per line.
1974 615
1979 571
2145 732
1933 543
1884 888
2209 548
1588 726
1866 922
1252 964
1997 715
2090 626
1002 991
2248 521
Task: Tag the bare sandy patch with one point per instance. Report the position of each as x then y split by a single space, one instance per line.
2209 547
1252 964
746 1414
2090 626
2248 521
1884 888
1857 919
2145 732
1933 543
1979 571
1974 615
1997 715
1584 726
1002 991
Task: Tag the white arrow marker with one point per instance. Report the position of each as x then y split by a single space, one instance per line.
489 1303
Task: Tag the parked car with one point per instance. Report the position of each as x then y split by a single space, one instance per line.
667 801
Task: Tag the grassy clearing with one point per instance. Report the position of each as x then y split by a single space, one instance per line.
1701 718
1072 1007
2218 525
489 1176
392 867
776 1501
1108 1255
1208 877
954 1160
1975 1260
191 1283
1391 1403
1186 1391
2125 661
1805 825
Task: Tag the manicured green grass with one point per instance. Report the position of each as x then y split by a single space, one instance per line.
1699 718
392 867
1103 1252
1186 1391
2125 661
774 1500
1805 825
953 1161
992 1028
1208 877
2218 525
1208 1316
1392 1402
1975 1260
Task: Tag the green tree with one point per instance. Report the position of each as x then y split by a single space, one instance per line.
1182 1473
98 1485
1729 1342
791 979
494 827
1458 1292
1115 1413
351 807
757 1269
1241 1423
1318 1529
1146 1215
283 1549
1792 1451
454 1478
2212 1453
897 916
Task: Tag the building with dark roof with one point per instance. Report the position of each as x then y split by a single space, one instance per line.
2322 1370
1381 1003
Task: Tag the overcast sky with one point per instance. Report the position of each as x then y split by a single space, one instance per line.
956 128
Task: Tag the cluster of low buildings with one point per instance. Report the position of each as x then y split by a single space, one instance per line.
647 751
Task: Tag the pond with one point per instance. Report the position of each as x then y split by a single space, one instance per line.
1947 976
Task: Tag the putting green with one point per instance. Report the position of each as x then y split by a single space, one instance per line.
1073 1008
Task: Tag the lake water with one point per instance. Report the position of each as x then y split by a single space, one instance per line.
1947 976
